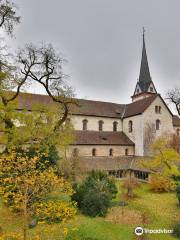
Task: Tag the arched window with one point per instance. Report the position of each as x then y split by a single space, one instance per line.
178 132
100 125
85 121
110 152
130 126
115 126
94 152
158 124
126 151
75 152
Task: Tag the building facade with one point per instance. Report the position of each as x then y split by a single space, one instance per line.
112 136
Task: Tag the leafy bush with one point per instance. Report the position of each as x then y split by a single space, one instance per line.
178 193
176 230
161 183
95 194
54 211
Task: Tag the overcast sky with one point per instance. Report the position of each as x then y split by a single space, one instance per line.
102 41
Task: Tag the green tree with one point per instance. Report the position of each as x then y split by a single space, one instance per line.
163 165
94 195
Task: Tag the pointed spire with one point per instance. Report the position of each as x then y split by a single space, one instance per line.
144 76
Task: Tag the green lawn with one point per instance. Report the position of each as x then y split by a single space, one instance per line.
161 210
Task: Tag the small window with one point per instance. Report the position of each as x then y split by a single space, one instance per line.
137 90
94 152
85 121
75 152
115 124
111 152
178 132
157 109
126 151
151 89
158 124
101 125
130 126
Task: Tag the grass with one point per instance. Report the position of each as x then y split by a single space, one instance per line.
161 210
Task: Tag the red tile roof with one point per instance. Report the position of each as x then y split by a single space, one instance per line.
102 138
90 107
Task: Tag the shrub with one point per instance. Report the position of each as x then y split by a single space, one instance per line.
160 183
95 194
54 211
176 230
178 193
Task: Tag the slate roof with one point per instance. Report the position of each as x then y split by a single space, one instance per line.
101 138
176 121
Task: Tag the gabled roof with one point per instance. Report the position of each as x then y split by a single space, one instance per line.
102 138
91 107
98 108
139 107
176 121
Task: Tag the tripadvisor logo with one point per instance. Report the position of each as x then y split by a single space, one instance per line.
139 231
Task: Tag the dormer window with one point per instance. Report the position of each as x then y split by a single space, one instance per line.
101 125
85 121
115 124
130 126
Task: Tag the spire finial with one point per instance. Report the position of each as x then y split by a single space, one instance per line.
144 31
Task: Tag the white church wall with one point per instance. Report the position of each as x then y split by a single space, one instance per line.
137 132
93 123
166 126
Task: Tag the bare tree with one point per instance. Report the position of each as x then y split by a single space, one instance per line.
42 64
149 136
8 16
174 96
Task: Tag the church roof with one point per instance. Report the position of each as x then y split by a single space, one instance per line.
101 138
139 107
176 121
90 107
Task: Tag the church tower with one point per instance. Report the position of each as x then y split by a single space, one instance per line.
145 86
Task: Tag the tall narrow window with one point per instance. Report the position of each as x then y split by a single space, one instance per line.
158 124
94 152
111 152
100 125
75 152
115 124
126 151
178 132
85 121
130 126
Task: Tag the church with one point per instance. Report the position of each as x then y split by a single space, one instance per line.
113 137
